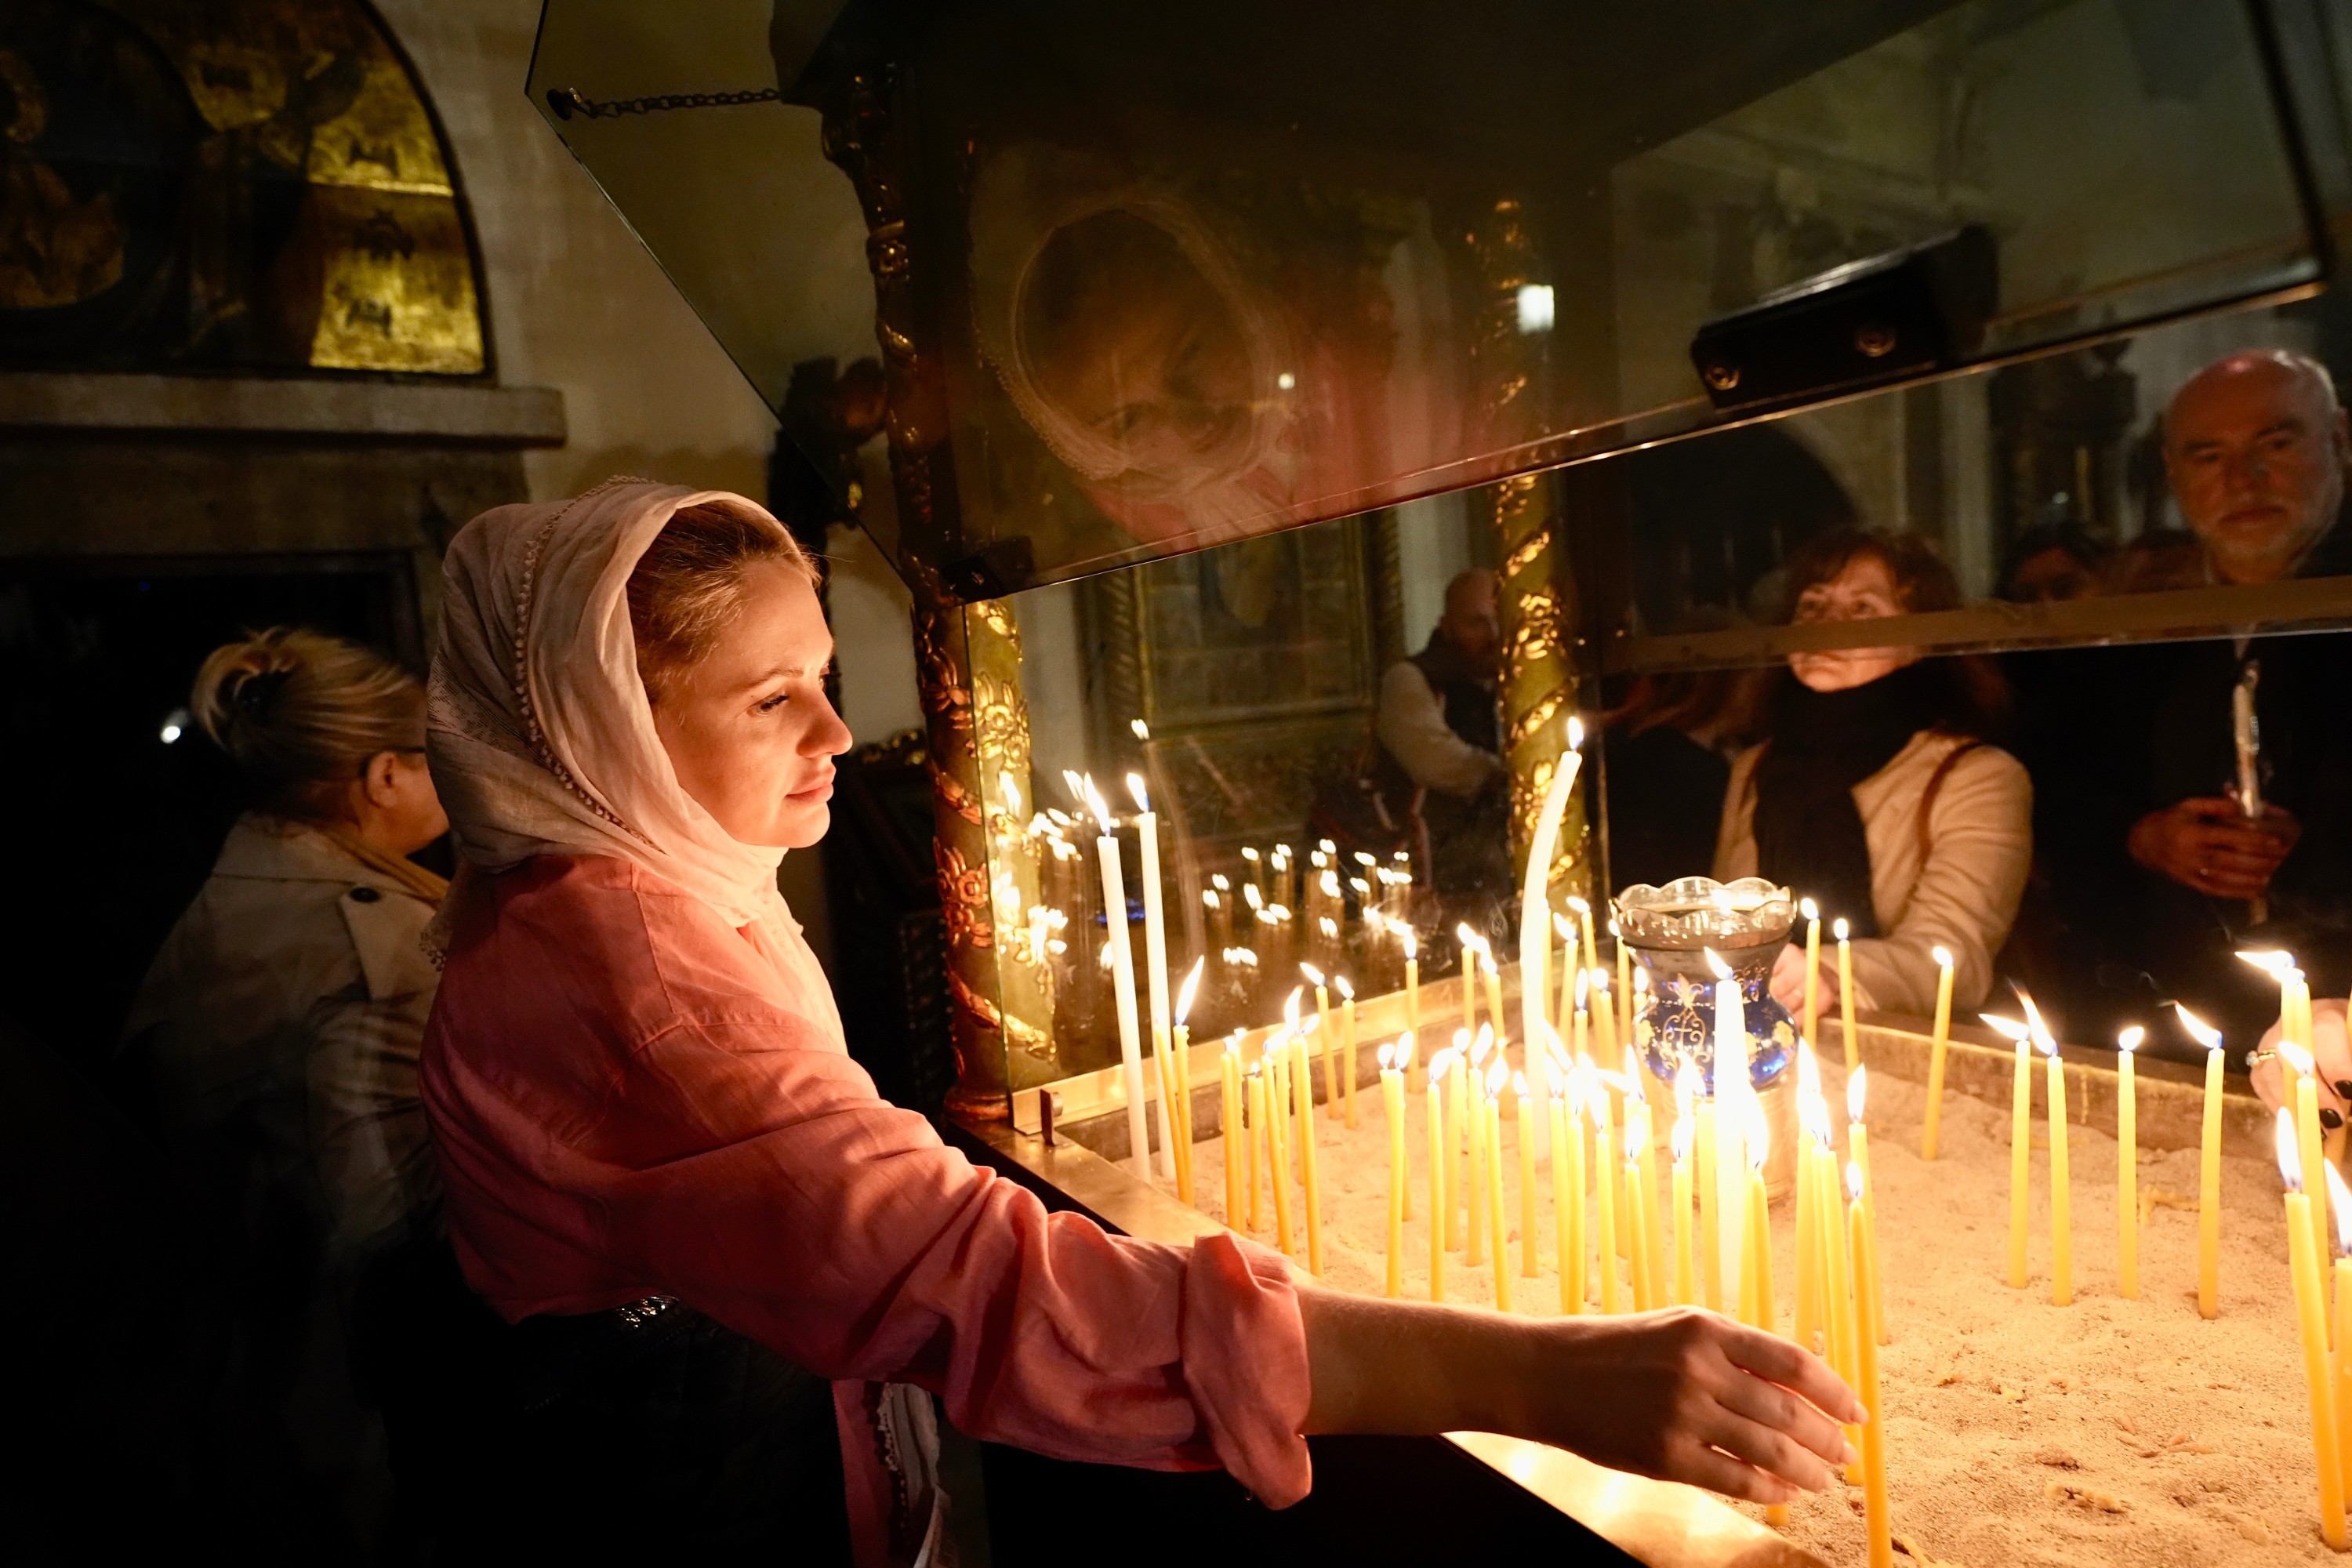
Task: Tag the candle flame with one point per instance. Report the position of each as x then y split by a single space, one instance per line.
1496 1076
1461 1041
1331 884
1599 983
2203 1032
1331 927
1095 803
1388 1058
1857 1091
1077 787
1406 1044
1679 1139
1485 1043
1411 943
1339 983
2128 1041
1250 854
1208 897
2339 1206
1853 1181
1641 980
2295 1058
1577 906
1011 792
1290 1009
2011 1029
1191 988
1520 1089
2286 1152
2043 1041
1808 1070
1143 797
1252 897
1584 984
1563 928
1439 1066
1838 929
1314 975
2274 962
1575 733
1217 880
1943 956
1722 970
1143 731
1809 909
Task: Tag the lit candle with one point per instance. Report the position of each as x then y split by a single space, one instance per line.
1277 1149
1155 967
2311 1319
1494 993
1496 1217
1303 1087
1571 973
2021 1140
2305 1091
1229 1103
1393 1103
1323 1025
1411 977
1583 914
1685 1285
1878 1524
2209 1168
1528 1267
1470 944
1604 1173
2127 1163
1809 1305
1638 1218
1812 914
2062 1224
1845 1344
1438 1211
1641 1146
1845 995
1710 1270
1935 1045
1535 907
1122 972
1347 1044
1473 1252
1603 1016
1457 1111
1629 982
1857 1145
1180 1057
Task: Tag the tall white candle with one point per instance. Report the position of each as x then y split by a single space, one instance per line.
1122 979
1155 957
1535 906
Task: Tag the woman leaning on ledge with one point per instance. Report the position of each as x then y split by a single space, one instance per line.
667 1171
1876 791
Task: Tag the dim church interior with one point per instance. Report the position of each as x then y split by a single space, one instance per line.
407 305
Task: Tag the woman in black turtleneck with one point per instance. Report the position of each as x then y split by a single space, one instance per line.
1876 791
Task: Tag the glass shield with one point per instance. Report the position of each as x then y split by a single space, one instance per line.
1169 278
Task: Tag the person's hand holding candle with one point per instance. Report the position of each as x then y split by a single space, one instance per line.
2331 1044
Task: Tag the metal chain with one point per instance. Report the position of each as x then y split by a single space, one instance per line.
568 102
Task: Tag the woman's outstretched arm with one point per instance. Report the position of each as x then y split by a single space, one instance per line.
1683 1395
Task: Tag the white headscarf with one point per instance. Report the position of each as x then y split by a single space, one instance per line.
540 735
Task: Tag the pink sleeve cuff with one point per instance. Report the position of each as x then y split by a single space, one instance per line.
1245 1351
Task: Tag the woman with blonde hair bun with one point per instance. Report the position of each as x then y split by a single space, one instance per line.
282 1018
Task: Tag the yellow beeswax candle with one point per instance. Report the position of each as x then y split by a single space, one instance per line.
1845 997
1303 1086
2311 1320
2127 1163
1457 1109
1412 979
1571 975
1937 1043
2209 1168
1528 1264
1604 1174
1469 940
1278 1156
1567 1200
1229 1104
1406 1048
1324 1037
1641 1146
1440 1210
1844 1341
1637 1215
1496 1215
2304 1078
1155 966
1710 1265
2020 1142
1685 1284
1393 1103
1254 1134
2061 1222
1812 914
1604 1017
1348 1064
1857 1144
1756 1255
1494 993
2339 1209
1474 1251
1878 1526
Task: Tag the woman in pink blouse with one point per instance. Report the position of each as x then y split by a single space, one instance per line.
664 1169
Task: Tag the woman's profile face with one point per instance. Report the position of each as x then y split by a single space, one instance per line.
748 729
1863 590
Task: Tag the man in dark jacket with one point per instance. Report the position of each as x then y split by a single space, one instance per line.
1440 746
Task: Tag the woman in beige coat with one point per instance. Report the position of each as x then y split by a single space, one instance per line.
1874 792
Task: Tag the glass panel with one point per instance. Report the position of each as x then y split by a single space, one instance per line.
1241 687
2183 482
1169 277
